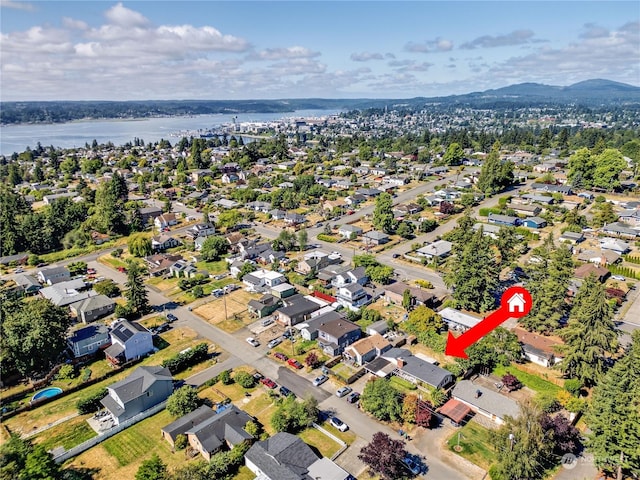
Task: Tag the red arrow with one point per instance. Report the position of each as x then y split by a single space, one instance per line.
515 302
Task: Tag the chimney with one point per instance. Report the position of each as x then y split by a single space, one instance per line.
401 362
478 393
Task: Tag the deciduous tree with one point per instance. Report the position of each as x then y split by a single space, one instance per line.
152 469
384 456
381 400
383 218
213 248
182 401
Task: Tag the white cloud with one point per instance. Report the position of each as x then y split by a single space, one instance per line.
73 24
27 7
594 31
517 37
366 56
429 46
125 17
283 53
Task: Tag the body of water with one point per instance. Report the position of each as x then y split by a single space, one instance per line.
16 138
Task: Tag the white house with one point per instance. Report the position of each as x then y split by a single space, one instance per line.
165 220
347 230
263 279
438 249
129 340
457 320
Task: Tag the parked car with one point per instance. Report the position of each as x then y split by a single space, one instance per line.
91 271
412 465
19 270
171 317
395 255
294 363
217 292
161 328
266 321
339 424
353 398
343 391
122 269
285 392
320 380
618 277
258 376
267 382
252 341
287 334
281 356
275 342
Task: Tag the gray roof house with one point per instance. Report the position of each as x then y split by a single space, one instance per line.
375 238
286 457
309 328
353 296
88 340
65 293
336 335
439 249
404 364
129 340
92 308
264 306
485 402
28 283
225 428
54 275
297 309
143 389
347 230
186 422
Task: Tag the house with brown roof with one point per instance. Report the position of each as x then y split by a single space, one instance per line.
366 349
583 271
539 349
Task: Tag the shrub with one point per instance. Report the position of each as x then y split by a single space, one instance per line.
423 283
184 360
511 382
573 386
484 212
547 402
66 372
244 379
225 377
326 238
91 404
181 442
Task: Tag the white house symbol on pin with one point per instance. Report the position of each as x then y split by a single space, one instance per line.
516 303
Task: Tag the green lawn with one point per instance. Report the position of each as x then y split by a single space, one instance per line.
244 474
214 268
68 434
325 445
347 437
475 441
534 382
140 439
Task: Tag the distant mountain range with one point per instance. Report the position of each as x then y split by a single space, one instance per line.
589 93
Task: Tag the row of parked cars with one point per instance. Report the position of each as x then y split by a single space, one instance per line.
219 292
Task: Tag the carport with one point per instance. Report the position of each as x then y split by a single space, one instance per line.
455 410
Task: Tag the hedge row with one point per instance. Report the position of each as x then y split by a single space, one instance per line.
91 404
326 238
184 360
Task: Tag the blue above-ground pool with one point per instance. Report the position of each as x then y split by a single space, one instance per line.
46 393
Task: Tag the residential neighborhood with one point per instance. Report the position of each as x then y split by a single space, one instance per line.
248 311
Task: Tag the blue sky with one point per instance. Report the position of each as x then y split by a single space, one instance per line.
95 50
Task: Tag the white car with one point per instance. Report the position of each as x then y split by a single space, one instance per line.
275 342
343 391
339 424
618 277
252 341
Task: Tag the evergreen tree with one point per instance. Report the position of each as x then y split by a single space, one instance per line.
136 293
383 218
549 280
473 275
462 233
590 335
40 466
495 175
523 447
614 416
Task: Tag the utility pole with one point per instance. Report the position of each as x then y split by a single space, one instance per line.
224 300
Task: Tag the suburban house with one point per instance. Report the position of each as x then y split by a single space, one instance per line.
457 320
263 280
184 269
375 238
92 308
631 217
209 431
277 214
534 198
201 230
309 328
348 231
286 457
544 187
65 293
527 210
366 349
612 244
402 363
583 271
356 275
438 249
534 222
599 257
265 306
53 275
334 336
144 388
539 349
504 220
161 263
483 401
488 229
315 261
223 429
294 219
28 284
165 220
572 237
295 310
88 340
621 229
283 290
129 340
164 242
149 213
394 294
353 296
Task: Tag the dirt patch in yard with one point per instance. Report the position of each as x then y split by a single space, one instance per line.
236 310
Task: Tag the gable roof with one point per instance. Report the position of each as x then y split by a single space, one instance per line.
123 330
367 344
93 303
139 382
184 423
339 327
282 457
87 332
488 400
227 425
